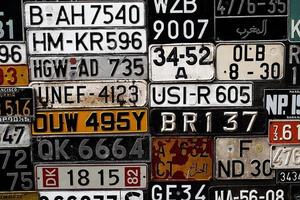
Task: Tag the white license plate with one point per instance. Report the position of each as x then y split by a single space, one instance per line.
200 95
96 14
242 158
12 53
181 62
15 135
88 68
93 195
90 94
249 61
83 176
86 41
285 157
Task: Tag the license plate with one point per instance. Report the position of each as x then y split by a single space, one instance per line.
179 190
19 195
249 61
16 104
284 131
12 53
185 62
11 17
93 195
241 121
16 172
180 21
88 68
91 121
251 20
293 65
84 176
288 176
285 157
86 41
294 21
240 192
282 103
182 158
96 14
15 135
242 158
90 94
14 75
200 95
120 148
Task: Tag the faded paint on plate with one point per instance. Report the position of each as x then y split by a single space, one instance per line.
88 67
86 41
19 195
285 157
238 158
15 135
195 62
14 75
250 61
92 94
59 176
76 121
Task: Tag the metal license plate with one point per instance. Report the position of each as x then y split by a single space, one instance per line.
120 148
241 121
282 103
250 20
11 17
93 195
91 121
86 41
179 190
84 176
295 192
180 21
182 158
284 132
293 65
249 61
288 176
285 157
87 14
186 62
16 105
13 75
242 158
88 68
90 94
16 172
12 53
294 21
200 95
19 195
240 192
15 135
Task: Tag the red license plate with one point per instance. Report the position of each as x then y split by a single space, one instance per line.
284 132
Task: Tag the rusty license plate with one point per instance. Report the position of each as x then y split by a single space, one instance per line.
182 158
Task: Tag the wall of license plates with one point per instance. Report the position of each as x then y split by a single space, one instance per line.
150 99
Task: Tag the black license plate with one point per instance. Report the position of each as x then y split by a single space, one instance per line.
11 28
259 192
282 103
180 21
91 148
295 192
16 105
292 77
208 121
179 190
288 176
16 172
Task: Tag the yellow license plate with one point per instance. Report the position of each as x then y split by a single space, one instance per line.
19 195
14 75
91 121
182 158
